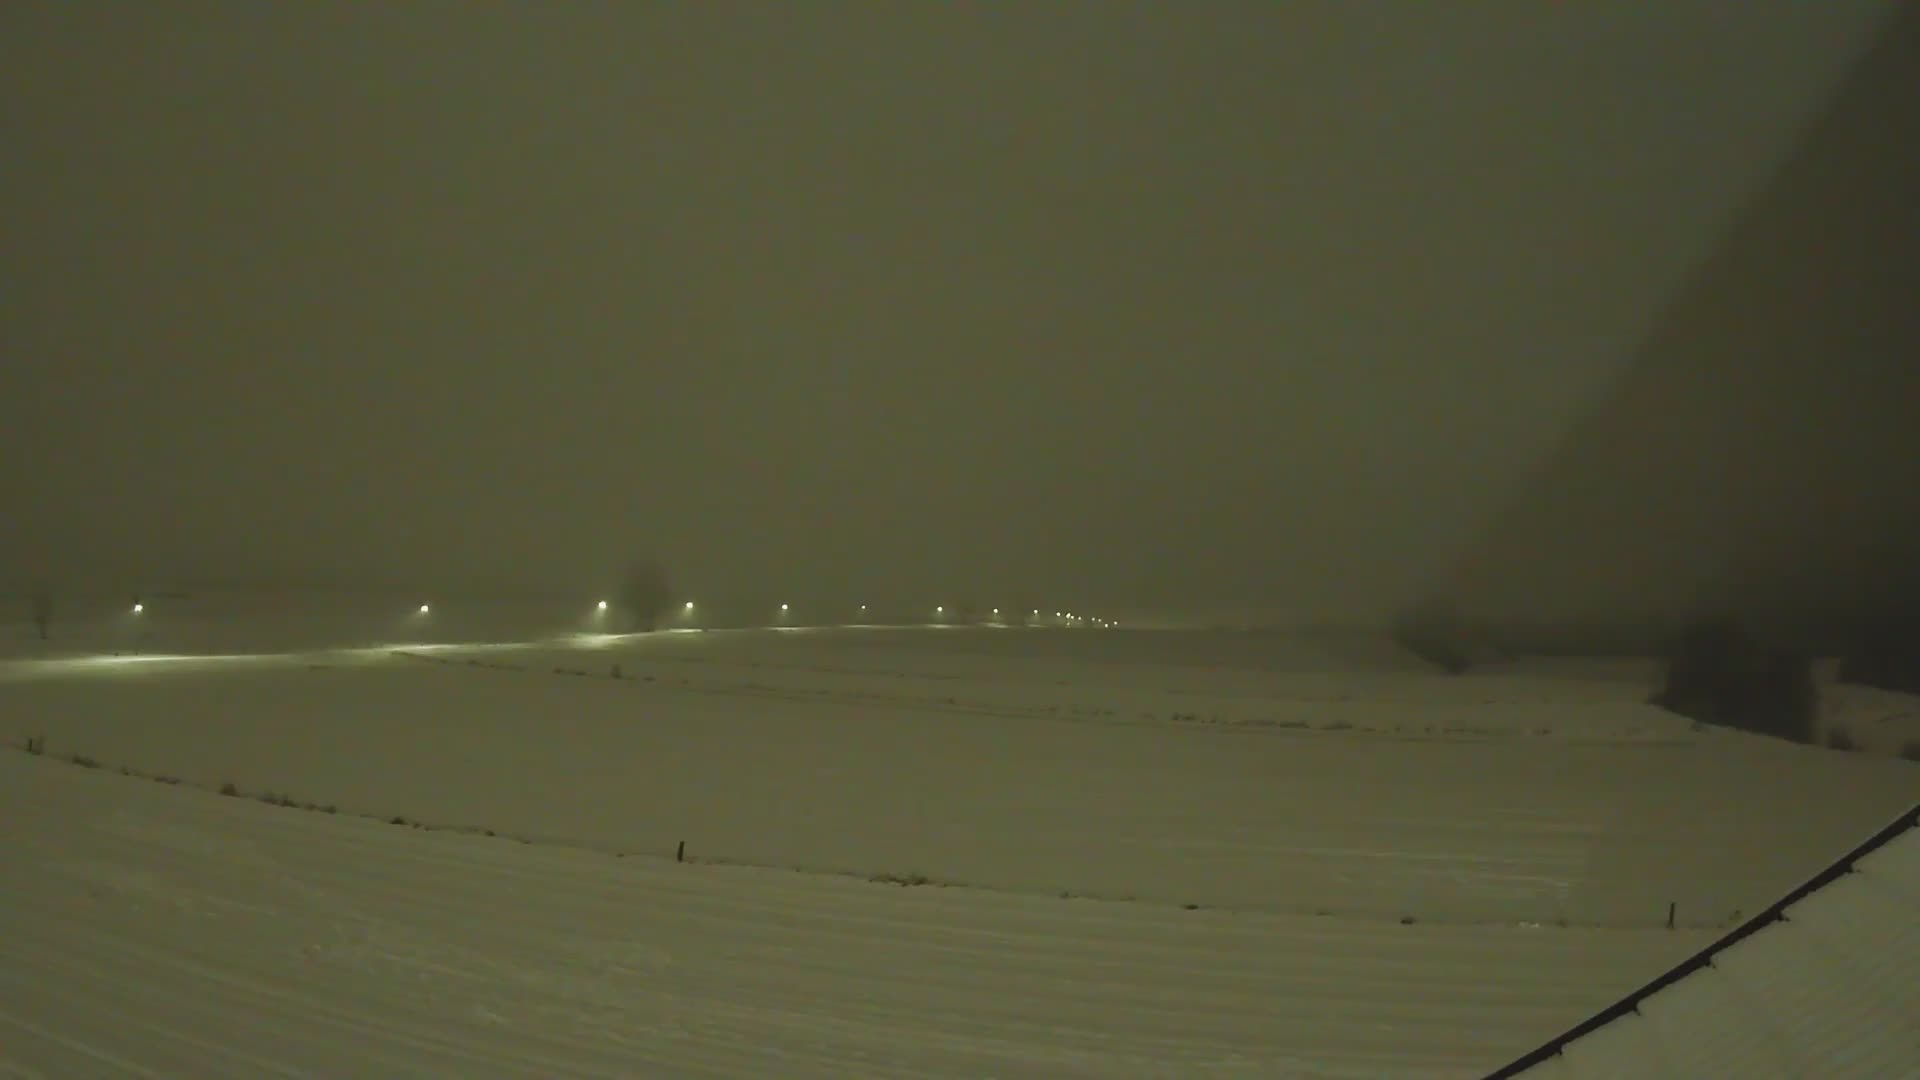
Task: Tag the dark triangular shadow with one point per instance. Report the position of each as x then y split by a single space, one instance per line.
1762 452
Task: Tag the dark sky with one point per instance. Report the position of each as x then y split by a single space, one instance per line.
1242 304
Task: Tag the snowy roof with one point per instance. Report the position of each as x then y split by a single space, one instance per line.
1824 983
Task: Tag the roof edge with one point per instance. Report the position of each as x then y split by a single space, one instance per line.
1774 913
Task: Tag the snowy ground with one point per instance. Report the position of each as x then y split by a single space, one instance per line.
162 931
1870 720
1241 825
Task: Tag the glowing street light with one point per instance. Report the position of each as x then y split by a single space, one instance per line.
783 607
601 606
424 609
940 610
138 608
688 606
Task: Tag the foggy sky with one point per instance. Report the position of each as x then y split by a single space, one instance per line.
1099 304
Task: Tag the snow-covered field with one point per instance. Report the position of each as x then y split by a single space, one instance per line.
161 931
1167 853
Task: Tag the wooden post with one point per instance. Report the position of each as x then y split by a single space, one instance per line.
1671 905
680 853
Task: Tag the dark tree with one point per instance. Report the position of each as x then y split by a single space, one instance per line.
643 597
1718 673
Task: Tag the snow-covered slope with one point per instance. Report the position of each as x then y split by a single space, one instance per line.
162 931
1870 719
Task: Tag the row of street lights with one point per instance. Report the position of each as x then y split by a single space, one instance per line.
939 611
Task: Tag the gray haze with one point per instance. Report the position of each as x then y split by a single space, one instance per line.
1761 455
1250 304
